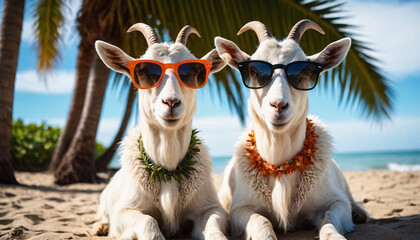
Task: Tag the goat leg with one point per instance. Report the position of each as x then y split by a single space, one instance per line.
337 221
212 224
133 224
253 225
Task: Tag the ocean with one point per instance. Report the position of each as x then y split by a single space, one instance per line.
400 161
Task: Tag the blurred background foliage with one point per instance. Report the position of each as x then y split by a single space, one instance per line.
32 145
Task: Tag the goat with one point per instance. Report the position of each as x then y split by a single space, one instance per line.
318 196
135 205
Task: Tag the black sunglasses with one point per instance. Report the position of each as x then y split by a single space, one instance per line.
302 75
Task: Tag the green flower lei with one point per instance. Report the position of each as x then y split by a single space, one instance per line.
184 168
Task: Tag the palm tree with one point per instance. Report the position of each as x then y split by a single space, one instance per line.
77 164
49 21
11 30
84 63
359 78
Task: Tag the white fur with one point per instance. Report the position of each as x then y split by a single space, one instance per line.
133 206
320 196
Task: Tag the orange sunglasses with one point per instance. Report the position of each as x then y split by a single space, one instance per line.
147 74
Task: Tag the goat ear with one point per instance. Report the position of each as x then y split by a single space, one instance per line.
217 63
229 52
333 54
113 57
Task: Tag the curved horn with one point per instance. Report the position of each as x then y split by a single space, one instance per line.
300 27
147 31
184 33
259 28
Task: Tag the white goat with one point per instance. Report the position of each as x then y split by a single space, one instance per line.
317 197
136 206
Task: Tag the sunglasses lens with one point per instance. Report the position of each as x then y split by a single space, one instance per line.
193 74
303 75
255 74
147 74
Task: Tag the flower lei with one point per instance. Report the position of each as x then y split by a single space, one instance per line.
300 161
184 168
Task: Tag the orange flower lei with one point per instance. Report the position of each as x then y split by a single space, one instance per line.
300 161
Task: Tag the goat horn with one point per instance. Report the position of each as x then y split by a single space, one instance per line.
147 31
184 33
259 28
300 27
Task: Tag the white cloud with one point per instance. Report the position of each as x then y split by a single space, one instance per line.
107 129
359 135
56 122
58 82
28 31
219 133
391 29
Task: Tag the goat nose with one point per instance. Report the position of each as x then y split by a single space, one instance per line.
279 106
171 102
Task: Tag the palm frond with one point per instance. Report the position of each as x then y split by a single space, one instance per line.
49 20
359 78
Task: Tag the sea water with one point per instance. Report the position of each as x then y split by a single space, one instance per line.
394 161
400 161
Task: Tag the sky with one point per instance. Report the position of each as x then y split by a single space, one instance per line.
389 27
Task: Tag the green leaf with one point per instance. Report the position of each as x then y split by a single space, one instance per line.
32 145
48 24
184 168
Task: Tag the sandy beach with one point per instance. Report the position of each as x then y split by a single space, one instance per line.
38 209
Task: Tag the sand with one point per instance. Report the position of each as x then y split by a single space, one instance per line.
38 209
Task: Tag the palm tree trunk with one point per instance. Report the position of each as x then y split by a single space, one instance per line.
102 162
77 164
84 63
11 30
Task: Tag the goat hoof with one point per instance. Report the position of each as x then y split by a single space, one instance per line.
100 229
264 234
336 236
329 232
359 215
151 230
217 236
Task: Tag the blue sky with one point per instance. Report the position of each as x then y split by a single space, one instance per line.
390 28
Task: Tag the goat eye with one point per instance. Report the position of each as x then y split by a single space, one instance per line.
255 74
147 74
192 74
302 75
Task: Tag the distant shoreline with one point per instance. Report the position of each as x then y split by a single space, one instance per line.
358 152
400 161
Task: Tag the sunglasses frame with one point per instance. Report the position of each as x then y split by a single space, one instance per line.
319 67
165 66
